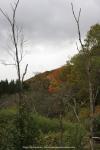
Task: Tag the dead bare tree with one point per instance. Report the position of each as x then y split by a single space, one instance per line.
73 107
87 54
17 40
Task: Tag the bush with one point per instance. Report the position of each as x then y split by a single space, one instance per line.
45 124
9 131
38 130
74 136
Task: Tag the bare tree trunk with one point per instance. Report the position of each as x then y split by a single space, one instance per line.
18 59
92 106
74 108
90 86
75 112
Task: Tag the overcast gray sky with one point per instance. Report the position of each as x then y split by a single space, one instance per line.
50 31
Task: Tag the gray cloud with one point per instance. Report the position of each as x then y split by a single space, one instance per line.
49 25
46 21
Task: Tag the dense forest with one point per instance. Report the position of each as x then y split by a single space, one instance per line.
11 87
56 103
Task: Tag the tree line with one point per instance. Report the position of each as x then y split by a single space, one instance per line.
11 87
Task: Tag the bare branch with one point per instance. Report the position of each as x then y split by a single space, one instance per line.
21 46
12 7
11 53
78 25
92 97
17 39
79 15
96 94
24 73
7 64
77 47
73 107
6 16
73 12
74 110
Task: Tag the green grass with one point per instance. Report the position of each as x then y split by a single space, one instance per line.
6 111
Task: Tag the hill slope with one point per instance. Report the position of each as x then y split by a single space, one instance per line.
46 92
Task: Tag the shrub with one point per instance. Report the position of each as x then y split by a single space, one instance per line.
74 136
45 124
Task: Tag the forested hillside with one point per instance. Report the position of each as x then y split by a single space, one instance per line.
62 95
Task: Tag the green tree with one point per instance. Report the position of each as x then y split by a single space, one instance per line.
91 44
